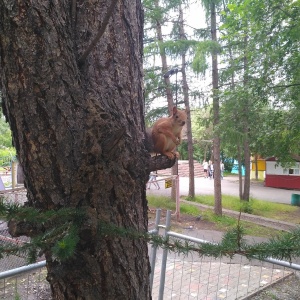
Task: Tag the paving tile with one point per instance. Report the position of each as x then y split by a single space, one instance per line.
214 280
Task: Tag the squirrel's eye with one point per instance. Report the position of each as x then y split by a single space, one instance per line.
177 117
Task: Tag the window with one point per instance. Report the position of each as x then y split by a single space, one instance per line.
292 171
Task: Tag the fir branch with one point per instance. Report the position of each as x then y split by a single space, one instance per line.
62 236
52 230
48 218
285 246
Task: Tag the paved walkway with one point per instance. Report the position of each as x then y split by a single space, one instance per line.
212 280
206 278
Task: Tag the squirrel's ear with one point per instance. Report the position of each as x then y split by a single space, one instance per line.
174 110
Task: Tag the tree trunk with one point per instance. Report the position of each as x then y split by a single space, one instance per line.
185 89
78 130
256 166
240 170
247 155
246 105
216 109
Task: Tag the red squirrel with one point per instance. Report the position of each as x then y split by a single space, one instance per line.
166 133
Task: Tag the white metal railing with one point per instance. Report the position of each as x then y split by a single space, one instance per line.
172 276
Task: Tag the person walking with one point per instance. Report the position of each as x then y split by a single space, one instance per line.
222 169
152 179
211 169
205 168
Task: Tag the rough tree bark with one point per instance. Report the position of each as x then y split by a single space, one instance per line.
79 132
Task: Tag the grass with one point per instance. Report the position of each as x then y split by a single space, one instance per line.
224 223
221 223
161 202
257 207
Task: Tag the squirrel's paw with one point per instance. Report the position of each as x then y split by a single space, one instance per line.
170 155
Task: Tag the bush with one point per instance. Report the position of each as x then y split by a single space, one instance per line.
247 207
7 155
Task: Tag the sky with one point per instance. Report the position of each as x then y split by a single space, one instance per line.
196 16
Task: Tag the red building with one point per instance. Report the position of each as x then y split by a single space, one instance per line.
279 177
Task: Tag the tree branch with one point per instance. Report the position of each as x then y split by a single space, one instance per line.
285 86
161 162
101 31
157 162
296 156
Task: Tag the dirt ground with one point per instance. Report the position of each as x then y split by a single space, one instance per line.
291 217
288 289
185 221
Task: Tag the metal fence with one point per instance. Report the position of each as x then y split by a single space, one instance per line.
16 195
193 277
173 276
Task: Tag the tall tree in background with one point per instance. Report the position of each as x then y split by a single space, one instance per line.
238 100
260 37
71 80
185 90
210 8
175 45
163 57
216 114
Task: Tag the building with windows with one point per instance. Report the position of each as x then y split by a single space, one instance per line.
281 177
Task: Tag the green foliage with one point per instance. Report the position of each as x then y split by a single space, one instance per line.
203 49
65 247
161 202
247 206
232 242
7 155
283 247
183 150
17 295
261 49
5 134
228 164
57 230
8 152
190 210
154 114
223 222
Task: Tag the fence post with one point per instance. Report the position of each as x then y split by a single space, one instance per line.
13 174
177 199
154 248
164 259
